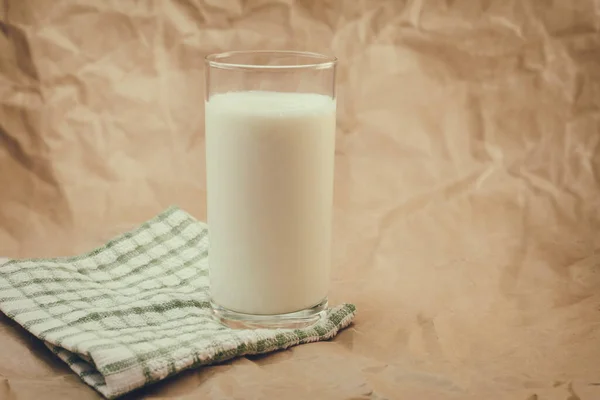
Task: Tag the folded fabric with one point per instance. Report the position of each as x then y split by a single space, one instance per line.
136 310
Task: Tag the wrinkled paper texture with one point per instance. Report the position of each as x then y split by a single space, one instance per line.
467 210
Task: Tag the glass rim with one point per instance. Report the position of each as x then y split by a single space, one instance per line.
319 61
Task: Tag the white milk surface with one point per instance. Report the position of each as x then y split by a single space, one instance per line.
270 160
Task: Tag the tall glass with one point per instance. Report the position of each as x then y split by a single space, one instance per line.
270 140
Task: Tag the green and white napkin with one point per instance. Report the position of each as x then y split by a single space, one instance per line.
136 310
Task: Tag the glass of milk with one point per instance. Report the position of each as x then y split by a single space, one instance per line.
270 140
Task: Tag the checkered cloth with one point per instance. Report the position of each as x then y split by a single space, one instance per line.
136 310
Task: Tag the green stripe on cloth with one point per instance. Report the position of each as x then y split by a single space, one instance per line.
136 310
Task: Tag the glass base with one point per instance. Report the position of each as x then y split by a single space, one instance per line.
294 320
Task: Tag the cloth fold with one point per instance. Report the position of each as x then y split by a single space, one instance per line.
136 310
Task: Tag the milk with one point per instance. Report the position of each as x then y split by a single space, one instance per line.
270 160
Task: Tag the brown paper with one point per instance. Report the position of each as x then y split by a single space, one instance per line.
467 223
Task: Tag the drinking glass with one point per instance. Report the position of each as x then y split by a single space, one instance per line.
270 141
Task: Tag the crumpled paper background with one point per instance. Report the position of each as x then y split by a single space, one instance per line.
467 222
